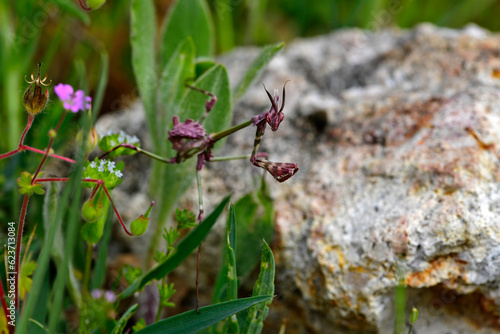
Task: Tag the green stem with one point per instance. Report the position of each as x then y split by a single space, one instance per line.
139 150
224 133
230 157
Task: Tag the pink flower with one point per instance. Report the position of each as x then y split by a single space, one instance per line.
73 101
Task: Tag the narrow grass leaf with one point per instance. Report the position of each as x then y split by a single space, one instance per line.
193 322
120 325
185 247
263 287
254 219
256 69
142 39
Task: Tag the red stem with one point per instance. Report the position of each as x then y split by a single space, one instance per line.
8 154
50 155
83 6
20 227
48 148
116 211
26 129
99 182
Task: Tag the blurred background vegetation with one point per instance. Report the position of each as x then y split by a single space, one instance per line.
36 30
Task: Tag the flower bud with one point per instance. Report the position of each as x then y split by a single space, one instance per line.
140 225
91 4
92 212
35 99
91 142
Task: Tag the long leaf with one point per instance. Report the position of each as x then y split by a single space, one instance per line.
187 18
172 88
185 247
263 287
254 218
142 38
120 325
220 290
192 322
256 69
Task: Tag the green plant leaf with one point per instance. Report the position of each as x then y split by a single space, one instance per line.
254 219
25 186
120 325
185 247
220 290
224 22
216 81
187 18
142 38
193 322
172 88
256 69
263 287
25 280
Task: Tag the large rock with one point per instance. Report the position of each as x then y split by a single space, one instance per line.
396 136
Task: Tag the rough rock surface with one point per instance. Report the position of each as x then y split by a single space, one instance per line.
396 134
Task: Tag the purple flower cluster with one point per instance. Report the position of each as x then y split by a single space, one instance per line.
72 101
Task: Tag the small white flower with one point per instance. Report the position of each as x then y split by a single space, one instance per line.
100 169
118 173
121 139
93 164
102 163
87 177
113 143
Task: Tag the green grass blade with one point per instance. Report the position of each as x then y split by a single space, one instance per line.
254 218
220 292
70 238
120 325
142 38
72 187
187 18
100 269
185 247
255 69
263 287
101 84
224 25
192 322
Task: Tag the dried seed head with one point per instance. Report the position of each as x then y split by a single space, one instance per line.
35 99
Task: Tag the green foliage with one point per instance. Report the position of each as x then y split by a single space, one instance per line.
193 322
120 325
263 287
166 291
254 217
256 69
25 281
185 247
185 219
188 18
25 186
